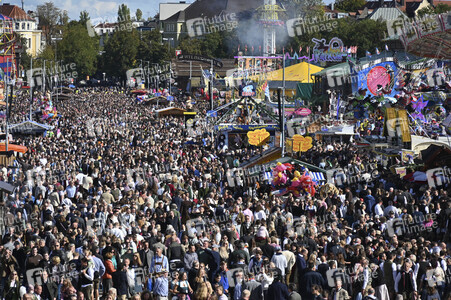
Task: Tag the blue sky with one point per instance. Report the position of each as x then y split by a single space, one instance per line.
102 8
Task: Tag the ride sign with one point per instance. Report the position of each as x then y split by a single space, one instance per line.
248 91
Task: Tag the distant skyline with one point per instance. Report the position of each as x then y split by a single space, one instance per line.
100 8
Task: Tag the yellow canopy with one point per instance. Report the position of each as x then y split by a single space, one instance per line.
298 72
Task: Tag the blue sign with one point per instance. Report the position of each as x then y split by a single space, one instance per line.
212 113
157 94
248 91
170 98
378 79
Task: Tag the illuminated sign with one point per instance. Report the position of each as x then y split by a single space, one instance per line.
248 91
334 51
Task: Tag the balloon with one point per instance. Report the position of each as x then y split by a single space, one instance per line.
280 175
297 174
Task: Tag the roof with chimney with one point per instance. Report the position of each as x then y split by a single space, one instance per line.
14 12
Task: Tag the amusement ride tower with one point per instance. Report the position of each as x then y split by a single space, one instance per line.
269 17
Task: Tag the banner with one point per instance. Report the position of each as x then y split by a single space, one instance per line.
258 137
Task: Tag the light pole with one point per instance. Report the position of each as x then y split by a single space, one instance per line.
157 70
282 130
148 67
170 76
31 85
56 39
169 44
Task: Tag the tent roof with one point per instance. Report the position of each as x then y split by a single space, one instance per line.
298 72
342 67
170 111
31 124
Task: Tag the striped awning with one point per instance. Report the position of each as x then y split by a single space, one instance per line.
317 176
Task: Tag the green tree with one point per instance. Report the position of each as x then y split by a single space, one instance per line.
84 17
366 35
24 57
123 13
79 48
430 10
120 52
63 18
139 15
350 5
48 16
151 47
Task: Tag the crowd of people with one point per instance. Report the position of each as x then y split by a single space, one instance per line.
120 203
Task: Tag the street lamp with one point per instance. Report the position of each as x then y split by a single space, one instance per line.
169 44
148 66
56 39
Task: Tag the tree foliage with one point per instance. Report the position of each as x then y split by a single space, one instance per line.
120 52
123 13
431 10
48 16
366 34
139 15
84 17
79 48
350 5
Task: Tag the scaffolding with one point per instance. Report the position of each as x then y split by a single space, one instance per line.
8 40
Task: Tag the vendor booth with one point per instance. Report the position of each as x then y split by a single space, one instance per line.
335 133
170 111
234 136
29 127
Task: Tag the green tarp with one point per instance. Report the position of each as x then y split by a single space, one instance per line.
304 91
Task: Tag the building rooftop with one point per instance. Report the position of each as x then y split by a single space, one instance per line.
387 13
14 12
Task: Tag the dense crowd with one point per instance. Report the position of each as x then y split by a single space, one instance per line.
121 204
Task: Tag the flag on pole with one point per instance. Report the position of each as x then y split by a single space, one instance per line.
377 51
300 49
386 47
349 50
368 53
238 47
